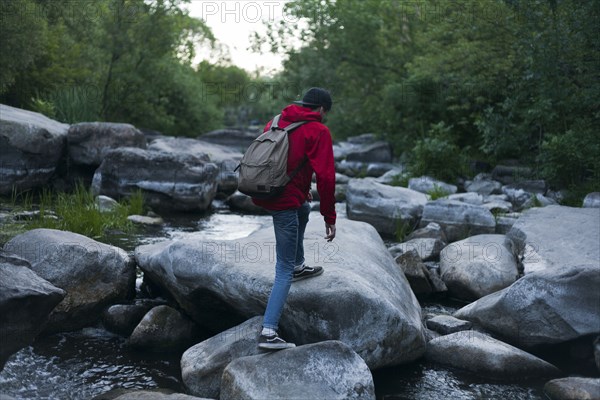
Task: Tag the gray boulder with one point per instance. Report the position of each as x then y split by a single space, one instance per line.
416 272
32 145
592 200
508 174
364 148
180 182
554 236
483 355
202 365
483 184
123 318
427 249
341 179
240 202
505 222
93 274
238 139
469 197
146 220
447 324
545 307
498 206
226 158
573 388
26 301
539 200
431 231
426 184
385 207
377 169
148 394
327 370
392 176
477 266
458 219
89 142
163 329
106 204
362 298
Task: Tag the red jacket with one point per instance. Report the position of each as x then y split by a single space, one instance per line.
312 140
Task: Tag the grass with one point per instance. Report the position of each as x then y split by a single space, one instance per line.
400 180
75 212
437 192
403 229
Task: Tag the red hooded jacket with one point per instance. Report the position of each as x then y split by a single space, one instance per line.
311 140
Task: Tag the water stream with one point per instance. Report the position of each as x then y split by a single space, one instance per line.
89 362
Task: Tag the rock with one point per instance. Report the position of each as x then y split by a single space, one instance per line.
238 139
477 266
469 197
431 231
340 193
145 220
573 388
341 179
484 355
385 207
89 142
426 184
416 272
437 284
93 274
178 182
504 223
163 329
447 324
378 169
538 200
241 202
32 145
148 394
518 197
123 318
545 307
226 158
484 185
392 177
367 150
592 200
554 236
427 249
26 301
106 204
327 370
508 174
457 219
202 365
597 352
498 206
362 298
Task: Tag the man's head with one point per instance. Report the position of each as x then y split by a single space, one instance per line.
316 98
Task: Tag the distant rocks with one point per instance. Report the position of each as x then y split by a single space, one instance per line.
458 219
236 138
32 146
426 184
364 148
169 181
89 142
592 200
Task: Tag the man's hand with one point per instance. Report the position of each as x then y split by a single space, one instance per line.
330 231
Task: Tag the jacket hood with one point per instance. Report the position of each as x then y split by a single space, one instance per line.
293 113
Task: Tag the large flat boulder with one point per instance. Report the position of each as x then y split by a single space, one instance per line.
545 307
89 142
385 207
459 220
553 236
169 181
32 145
202 365
328 370
93 274
483 355
226 158
362 299
477 266
26 301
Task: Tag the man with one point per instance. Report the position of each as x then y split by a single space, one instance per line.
311 142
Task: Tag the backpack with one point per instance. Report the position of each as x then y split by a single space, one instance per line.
263 168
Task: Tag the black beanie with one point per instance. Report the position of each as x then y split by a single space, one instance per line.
316 97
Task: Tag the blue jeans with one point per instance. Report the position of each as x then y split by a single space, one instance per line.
289 228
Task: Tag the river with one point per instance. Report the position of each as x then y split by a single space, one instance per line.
89 362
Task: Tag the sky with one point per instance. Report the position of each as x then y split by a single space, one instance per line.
232 23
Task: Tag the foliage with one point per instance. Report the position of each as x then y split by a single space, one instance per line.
437 192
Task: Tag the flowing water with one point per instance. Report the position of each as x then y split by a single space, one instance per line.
92 361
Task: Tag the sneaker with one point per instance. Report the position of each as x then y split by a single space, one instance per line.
307 272
273 342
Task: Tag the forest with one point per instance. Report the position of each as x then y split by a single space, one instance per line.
451 84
